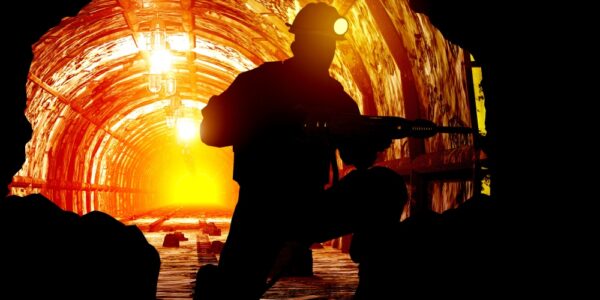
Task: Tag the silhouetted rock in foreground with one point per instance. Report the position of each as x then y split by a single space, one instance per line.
294 260
459 252
48 253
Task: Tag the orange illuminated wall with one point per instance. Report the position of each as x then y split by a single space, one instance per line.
103 141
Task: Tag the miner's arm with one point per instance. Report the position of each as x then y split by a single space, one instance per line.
225 117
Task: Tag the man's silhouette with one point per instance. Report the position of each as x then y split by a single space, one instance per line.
281 170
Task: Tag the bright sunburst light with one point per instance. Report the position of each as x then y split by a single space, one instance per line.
187 129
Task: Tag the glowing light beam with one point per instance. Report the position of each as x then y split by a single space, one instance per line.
187 129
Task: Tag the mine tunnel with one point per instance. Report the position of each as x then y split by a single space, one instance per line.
115 94
105 140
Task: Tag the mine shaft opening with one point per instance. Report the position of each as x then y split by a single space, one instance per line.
115 94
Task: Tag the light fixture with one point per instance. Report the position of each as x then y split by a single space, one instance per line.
154 83
173 112
160 76
162 82
158 35
170 84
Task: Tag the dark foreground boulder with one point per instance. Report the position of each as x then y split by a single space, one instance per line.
48 253
458 253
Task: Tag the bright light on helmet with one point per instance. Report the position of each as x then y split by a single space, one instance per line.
340 26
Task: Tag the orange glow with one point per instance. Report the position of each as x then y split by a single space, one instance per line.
99 135
194 175
191 189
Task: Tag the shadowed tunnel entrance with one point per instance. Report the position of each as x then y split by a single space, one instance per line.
115 93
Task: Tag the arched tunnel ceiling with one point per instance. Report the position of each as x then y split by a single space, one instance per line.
102 55
88 97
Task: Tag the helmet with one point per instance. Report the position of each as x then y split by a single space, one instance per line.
320 18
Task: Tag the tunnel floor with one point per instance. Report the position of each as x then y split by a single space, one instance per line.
335 275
